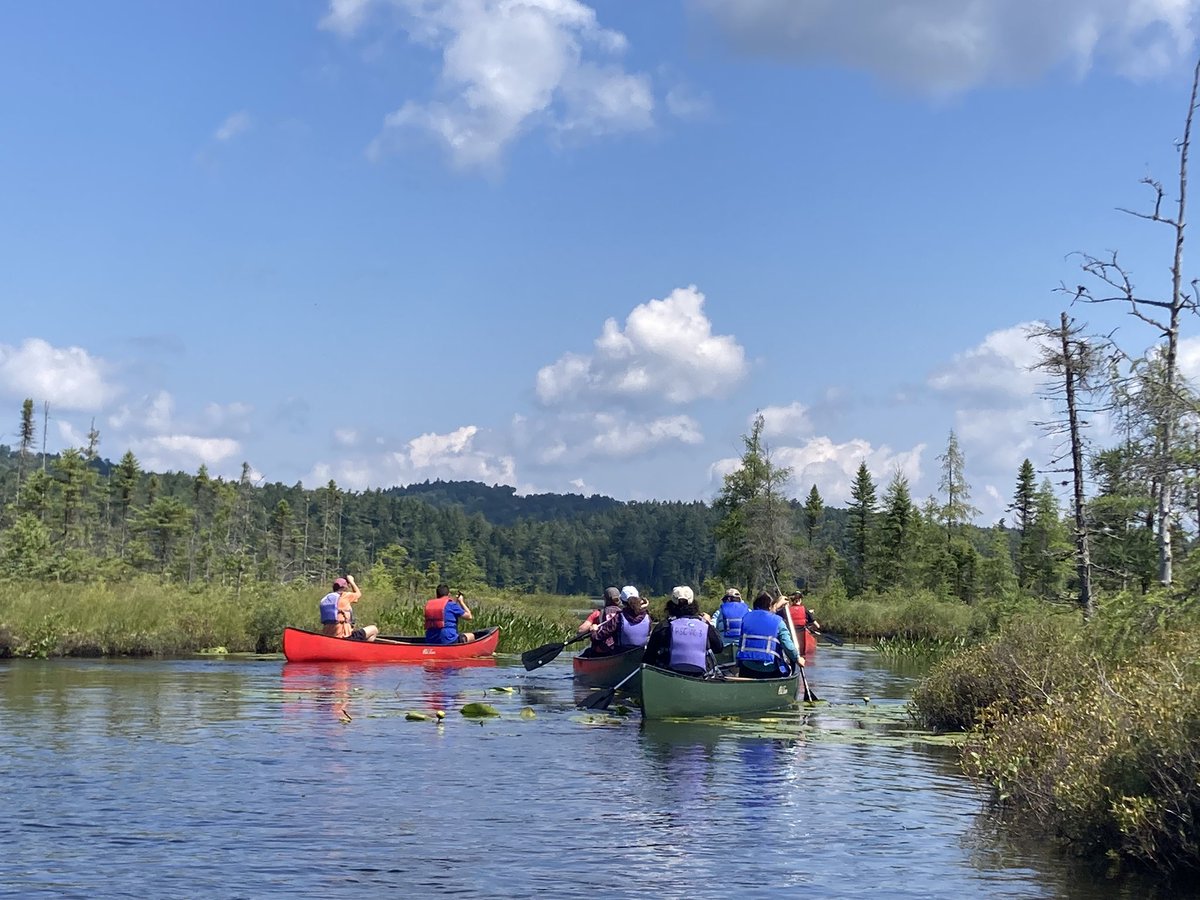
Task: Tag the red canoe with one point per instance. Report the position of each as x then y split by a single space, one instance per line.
609 671
311 646
800 619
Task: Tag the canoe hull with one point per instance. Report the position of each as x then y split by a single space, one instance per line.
668 695
608 671
310 646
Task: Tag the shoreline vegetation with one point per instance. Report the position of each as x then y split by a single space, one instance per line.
1089 730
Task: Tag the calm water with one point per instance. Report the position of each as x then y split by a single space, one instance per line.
245 777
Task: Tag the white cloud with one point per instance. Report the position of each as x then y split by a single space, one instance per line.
151 413
997 371
66 377
684 102
509 66
832 467
786 421
572 438
666 352
949 46
237 123
183 452
345 16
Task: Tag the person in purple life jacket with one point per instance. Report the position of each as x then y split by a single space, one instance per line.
629 628
683 642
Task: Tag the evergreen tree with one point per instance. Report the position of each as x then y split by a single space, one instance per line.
27 432
898 535
1023 507
755 530
862 510
957 509
1051 543
814 512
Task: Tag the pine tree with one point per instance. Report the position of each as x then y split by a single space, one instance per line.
957 510
27 433
814 512
1023 508
862 513
898 526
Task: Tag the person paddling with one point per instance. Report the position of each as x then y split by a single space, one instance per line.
441 618
337 612
599 617
683 642
766 642
629 628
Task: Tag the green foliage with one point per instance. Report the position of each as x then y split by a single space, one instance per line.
862 512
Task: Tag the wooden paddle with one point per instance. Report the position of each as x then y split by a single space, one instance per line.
601 699
809 696
539 656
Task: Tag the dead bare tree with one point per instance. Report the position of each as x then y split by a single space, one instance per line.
1072 361
1164 316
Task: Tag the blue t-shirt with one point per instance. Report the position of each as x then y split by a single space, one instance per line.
448 633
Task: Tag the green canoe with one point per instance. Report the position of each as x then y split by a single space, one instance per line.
667 694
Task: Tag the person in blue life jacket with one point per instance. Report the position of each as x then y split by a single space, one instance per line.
629 628
684 641
442 615
766 646
337 612
729 616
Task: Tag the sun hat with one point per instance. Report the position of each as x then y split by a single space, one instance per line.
628 591
683 593
611 595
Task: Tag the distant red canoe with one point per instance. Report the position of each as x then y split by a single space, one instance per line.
311 646
800 619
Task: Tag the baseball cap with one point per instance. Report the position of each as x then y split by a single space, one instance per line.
340 582
628 591
684 593
733 592
612 594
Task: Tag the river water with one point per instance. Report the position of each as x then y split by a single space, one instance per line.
245 777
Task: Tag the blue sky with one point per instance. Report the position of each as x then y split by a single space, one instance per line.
570 246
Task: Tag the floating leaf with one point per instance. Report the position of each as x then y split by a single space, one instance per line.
503 690
479 710
416 717
528 713
620 710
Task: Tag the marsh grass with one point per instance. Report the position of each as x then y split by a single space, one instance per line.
146 618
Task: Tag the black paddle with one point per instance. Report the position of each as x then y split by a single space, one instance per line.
821 635
539 656
601 699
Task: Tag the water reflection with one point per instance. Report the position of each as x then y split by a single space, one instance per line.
122 774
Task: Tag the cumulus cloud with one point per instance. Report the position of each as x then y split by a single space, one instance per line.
184 452
832 466
572 438
237 123
666 352
509 66
998 371
948 46
786 421
455 455
67 377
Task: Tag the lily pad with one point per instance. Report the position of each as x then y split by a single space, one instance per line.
479 710
503 690
528 713
416 717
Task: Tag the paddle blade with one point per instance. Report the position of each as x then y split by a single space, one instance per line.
539 656
598 699
831 638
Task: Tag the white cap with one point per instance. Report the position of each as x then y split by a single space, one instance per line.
684 593
628 591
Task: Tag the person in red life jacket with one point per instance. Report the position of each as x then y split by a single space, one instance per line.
683 642
629 628
796 611
337 612
729 616
767 643
441 618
